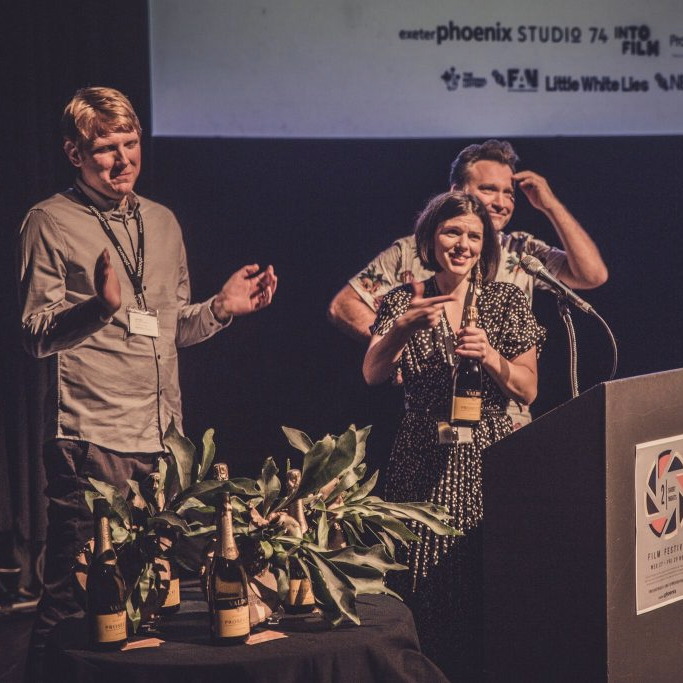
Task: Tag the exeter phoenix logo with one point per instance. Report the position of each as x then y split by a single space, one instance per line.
664 495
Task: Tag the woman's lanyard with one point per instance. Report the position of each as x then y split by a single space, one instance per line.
134 273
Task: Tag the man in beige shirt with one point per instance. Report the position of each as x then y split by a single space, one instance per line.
105 295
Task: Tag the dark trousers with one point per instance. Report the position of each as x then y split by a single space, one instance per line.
68 465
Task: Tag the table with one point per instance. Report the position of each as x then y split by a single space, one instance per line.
383 649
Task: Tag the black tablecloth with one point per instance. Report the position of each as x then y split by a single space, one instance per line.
383 649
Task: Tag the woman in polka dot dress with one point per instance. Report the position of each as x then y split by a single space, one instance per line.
411 334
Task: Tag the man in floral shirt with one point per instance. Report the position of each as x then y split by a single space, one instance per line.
488 171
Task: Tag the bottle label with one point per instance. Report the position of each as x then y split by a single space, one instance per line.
300 592
173 595
231 623
229 589
466 409
110 628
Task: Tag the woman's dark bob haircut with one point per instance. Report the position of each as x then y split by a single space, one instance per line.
451 205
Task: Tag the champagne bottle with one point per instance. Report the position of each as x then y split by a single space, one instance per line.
467 387
166 540
220 473
299 598
228 590
105 589
171 602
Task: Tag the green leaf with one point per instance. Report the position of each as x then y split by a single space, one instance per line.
394 527
201 530
298 439
269 484
183 452
364 568
134 614
438 511
332 589
243 486
144 495
353 559
208 453
363 490
323 529
169 482
430 515
351 532
373 586
117 502
172 487
383 537
267 550
348 479
361 438
326 460
204 490
282 582
119 535
190 506
90 497
169 519
142 585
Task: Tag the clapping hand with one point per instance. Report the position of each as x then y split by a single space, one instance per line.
107 284
245 291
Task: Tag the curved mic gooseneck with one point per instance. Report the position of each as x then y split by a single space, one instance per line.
536 269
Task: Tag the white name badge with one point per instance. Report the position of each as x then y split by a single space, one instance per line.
142 322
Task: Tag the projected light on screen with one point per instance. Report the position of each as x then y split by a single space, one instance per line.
382 68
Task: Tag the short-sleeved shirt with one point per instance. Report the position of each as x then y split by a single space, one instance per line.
400 264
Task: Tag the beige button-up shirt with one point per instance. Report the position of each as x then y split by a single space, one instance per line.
107 386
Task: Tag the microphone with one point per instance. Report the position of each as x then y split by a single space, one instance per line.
535 268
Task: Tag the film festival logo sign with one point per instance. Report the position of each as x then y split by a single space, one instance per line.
664 495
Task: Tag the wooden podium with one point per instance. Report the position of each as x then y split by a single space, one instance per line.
559 542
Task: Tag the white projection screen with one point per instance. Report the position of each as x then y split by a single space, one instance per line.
405 69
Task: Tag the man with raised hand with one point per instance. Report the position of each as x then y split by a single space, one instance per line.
488 171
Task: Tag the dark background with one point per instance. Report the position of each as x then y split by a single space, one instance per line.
318 210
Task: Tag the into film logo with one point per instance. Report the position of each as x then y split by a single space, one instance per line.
517 80
664 494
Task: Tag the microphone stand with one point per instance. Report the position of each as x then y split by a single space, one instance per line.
566 315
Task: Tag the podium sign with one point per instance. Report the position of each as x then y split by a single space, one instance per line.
659 523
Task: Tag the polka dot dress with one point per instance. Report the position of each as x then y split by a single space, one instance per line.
443 585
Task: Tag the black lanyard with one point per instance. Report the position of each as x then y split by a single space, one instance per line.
134 273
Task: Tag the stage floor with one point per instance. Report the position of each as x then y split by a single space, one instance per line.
15 631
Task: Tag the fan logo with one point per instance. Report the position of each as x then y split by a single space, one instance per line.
517 80
664 495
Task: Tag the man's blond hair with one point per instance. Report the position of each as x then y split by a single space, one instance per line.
97 112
